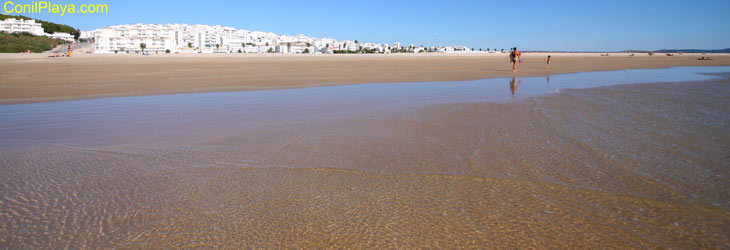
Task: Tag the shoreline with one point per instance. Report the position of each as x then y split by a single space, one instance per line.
34 79
719 77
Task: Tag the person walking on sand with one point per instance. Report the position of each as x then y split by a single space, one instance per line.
549 60
515 56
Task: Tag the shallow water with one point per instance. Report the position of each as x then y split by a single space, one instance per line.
442 165
146 118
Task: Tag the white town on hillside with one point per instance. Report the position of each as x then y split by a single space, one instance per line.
184 38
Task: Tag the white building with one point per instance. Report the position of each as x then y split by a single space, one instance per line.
295 47
252 49
328 50
461 49
62 35
12 25
157 39
184 38
281 48
177 38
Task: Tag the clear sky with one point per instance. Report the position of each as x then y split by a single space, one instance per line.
529 25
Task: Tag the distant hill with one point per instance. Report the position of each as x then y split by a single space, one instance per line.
48 27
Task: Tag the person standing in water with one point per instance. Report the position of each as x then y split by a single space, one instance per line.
515 56
549 60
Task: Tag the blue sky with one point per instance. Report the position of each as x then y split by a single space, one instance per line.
529 25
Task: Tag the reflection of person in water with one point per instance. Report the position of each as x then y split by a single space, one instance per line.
514 84
548 79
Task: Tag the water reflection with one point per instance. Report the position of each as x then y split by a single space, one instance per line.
547 78
514 84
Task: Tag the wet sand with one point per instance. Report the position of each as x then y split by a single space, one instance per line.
32 78
628 166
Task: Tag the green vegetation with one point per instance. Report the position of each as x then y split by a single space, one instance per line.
48 27
20 42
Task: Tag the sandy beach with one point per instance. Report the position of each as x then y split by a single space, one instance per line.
565 160
34 78
395 125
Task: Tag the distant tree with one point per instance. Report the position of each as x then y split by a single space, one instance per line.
271 50
288 47
142 46
356 41
217 46
480 49
167 51
328 45
239 51
190 45
309 44
267 44
306 51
